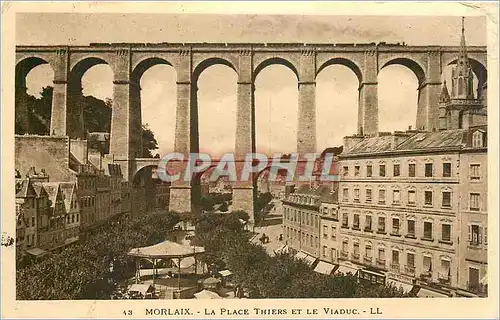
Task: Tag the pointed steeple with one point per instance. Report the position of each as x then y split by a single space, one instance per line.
462 77
444 96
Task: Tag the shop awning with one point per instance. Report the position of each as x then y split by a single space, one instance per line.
284 249
324 268
426 293
225 273
310 260
37 252
398 284
301 255
346 269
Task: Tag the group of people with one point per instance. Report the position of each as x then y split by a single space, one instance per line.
238 292
264 238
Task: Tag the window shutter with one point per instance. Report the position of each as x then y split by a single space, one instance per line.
470 233
485 235
480 235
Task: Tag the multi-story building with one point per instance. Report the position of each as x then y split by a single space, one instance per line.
72 206
472 272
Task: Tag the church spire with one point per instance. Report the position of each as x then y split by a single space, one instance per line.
462 78
444 96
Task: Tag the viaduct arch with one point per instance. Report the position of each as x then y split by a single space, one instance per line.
129 61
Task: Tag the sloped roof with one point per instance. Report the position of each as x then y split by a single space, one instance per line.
68 189
372 144
26 190
434 140
323 191
40 190
52 189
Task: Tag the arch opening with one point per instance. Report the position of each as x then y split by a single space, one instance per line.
410 64
157 102
214 99
33 96
337 98
89 100
398 98
343 62
276 110
275 61
210 194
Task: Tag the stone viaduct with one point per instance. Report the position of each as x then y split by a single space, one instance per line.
130 61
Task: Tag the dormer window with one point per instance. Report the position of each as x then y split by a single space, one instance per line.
477 139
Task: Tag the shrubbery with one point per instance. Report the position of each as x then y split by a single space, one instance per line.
282 276
82 271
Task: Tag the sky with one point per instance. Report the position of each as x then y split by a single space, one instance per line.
276 86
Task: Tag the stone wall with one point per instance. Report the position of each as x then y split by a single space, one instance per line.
44 152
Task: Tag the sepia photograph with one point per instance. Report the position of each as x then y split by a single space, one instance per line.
190 155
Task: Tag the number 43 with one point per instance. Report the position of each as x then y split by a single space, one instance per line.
127 312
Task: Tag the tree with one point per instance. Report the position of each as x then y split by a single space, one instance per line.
148 141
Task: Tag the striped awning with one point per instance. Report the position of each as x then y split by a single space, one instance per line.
324 268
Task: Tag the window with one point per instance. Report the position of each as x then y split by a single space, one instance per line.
474 172
346 171
447 169
411 197
335 214
381 196
324 251
445 269
428 169
396 170
381 254
368 223
381 224
410 259
446 232
345 194
395 256
446 199
355 224
427 264
32 221
395 197
475 236
474 201
395 226
477 139
428 198
334 233
369 170
411 228
428 230
411 170
356 248
356 195
345 243
485 235
368 250
382 170
368 195
345 220
325 232
356 171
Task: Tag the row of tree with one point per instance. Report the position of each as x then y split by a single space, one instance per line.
86 269
280 276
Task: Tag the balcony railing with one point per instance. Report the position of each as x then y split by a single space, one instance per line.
381 263
344 254
355 256
395 267
444 277
367 259
410 270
